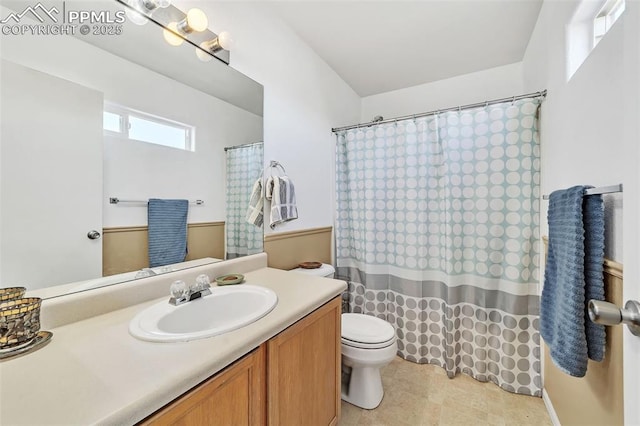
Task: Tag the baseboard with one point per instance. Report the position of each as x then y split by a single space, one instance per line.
552 412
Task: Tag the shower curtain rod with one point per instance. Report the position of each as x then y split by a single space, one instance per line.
244 145
541 94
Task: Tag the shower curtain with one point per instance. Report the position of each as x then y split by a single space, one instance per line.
437 233
244 167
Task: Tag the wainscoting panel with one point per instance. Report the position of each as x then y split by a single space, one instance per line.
287 249
596 398
126 249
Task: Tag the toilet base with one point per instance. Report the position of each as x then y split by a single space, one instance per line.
364 388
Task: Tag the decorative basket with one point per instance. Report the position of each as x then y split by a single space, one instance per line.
11 293
19 321
310 265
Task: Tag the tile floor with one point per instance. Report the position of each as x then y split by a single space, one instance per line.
421 394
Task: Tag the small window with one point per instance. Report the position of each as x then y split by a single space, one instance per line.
112 122
607 16
591 20
143 127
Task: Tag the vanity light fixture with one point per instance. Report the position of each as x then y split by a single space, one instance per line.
136 16
223 41
140 10
178 27
196 20
171 35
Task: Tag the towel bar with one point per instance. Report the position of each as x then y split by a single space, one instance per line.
600 190
273 164
116 200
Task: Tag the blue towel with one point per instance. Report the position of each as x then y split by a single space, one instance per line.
573 275
167 231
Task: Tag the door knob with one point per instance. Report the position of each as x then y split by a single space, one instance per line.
609 314
93 235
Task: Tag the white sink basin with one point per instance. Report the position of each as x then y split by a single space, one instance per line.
224 310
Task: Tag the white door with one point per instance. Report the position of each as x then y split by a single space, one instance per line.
50 179
631 208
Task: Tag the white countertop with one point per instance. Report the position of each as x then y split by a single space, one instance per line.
94 372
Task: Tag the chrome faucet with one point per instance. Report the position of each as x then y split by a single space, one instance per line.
144 273
181 292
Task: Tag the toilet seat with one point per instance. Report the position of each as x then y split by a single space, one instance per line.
361 345
366 331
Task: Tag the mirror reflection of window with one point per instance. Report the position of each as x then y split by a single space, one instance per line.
138 126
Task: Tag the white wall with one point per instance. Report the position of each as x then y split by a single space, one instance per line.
582 132
137 170
304 98
590 135
494 83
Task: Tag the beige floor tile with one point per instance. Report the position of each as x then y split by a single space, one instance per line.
423 395
438 386
494 420
462 415
496 405
349 414
431 414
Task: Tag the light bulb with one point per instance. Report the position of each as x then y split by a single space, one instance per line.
225 41
197 20
202 52
170 37
136 17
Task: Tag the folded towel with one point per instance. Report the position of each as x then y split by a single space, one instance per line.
593 218
573 275
281 192
256 204
167 220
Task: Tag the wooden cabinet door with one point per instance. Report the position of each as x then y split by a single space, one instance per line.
234 397
303 370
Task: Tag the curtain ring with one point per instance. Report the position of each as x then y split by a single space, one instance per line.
513 100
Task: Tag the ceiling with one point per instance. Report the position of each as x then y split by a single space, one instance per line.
378 46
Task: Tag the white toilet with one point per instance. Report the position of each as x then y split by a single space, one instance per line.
368 344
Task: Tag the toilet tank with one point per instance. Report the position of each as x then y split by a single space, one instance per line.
325 270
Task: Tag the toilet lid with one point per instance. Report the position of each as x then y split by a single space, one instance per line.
325 270
366 329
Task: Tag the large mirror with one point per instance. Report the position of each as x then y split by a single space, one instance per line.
95 125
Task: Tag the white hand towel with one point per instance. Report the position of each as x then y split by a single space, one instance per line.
256 204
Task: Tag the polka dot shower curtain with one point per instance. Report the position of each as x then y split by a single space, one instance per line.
244 167
437 232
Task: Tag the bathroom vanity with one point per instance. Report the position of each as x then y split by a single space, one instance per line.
292 379
282 369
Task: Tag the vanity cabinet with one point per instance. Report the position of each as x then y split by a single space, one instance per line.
292 379
303 370
234 396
